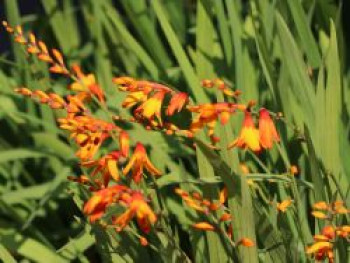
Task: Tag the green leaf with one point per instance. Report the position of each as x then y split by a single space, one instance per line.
76 246
302 87
31 249
180 55
5 255
59 21
19 153
129 42
305 33
52 143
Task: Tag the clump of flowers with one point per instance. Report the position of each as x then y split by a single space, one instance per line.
323 246
116 179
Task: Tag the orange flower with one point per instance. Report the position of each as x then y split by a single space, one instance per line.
136 207
319 215
89 133
284 205
89 144
267 130
203 226
320 238
181 192
321 250
96 206
320 205
107 166
208 114
124 143
225 217
87 83
177 102
152 107
294 170
76 102
246 242
123 80
133 98
339 208
329 232
194 201
143 241
56 101
223 195
24 91
249 136
138 161
343 231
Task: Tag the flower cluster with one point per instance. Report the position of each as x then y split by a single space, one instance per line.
149 97
114 178
89 133
133 201
253 138
323 245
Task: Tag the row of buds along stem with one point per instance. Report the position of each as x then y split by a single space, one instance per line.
39 49
72 103
198 203
215 212
221 86
83 83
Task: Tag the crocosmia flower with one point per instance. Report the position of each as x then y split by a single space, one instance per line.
138 162
267 130
249 136
152 107
87 83
177 102
96 206
136 207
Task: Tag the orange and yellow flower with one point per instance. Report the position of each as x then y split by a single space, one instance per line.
204 226
138 162
107 166
267 130
124 143
134 98
322 248
152 107
249 135
136 207
283 206
329 210
96 206
88 132
87 83
246 242
89 143
209 114
177 102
